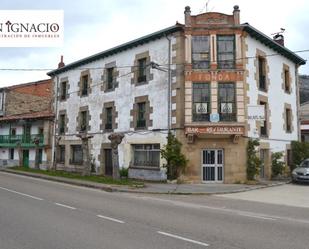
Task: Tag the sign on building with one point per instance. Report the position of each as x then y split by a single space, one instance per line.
256 112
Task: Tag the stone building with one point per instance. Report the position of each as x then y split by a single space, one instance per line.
26 124
211 81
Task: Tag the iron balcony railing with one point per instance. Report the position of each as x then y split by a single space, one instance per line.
24 140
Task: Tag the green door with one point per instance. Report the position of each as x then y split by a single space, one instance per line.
26 158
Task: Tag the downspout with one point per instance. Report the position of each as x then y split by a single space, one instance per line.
53 163
169 90
297 103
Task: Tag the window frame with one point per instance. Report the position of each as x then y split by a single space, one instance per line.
110 78
233 64
108 118
141 120
227 117
61 151
63 90
142 73
62 123
83 125
196 87
151 151
264 128
85 82
12 152
262 73
74 160
288 120
287 83
198 64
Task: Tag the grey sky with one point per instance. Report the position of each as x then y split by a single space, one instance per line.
95 25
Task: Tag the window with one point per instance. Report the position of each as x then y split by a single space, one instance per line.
201 102
263 128
141 115
146 155
83 121
12 154
62 124
287 84
141 70
288 120
262 74
61 155
13 132
226 101
110 78
109 118
63 91
41 131
77 154
85 85
226 51
200 52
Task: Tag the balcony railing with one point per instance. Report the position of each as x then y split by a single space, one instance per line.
25 140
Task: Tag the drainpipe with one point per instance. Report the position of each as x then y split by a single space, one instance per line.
53 158
297 103
169 85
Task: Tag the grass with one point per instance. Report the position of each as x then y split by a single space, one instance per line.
77 176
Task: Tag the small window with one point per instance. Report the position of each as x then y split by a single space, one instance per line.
109 118
110 78
85 85
141 70
62 124
76 154
141 115
63 91
200 52
61 155
12 154
262 74
146 155
287 85
226 102
226 51
201 102
288 120
83 121
263 128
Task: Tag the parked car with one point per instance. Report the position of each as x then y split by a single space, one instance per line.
301 173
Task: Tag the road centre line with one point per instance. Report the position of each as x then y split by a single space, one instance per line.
111 219
182 238
63 205
23 194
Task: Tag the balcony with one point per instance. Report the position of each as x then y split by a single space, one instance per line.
11 141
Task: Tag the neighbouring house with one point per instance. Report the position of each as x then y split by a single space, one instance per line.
303 88
26 124
212 81
304 121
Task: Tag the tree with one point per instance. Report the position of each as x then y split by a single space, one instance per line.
175 160
277 165
253 162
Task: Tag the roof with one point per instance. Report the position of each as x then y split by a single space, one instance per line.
46 81
144 39
272 44
32 115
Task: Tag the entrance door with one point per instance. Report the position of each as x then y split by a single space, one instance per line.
26 158
108 162
263 158
212 165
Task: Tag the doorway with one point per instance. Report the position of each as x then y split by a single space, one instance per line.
26 158
108 162
212 165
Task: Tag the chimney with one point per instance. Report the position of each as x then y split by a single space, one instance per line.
61 63
187 16
279 38
236 12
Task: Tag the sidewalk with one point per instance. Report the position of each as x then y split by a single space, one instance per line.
157 188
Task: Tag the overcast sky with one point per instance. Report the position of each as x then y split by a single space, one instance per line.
91 26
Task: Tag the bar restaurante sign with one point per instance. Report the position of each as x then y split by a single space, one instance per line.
223 130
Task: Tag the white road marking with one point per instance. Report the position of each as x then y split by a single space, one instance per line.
23 194
66 206
257 216
111 219
182 238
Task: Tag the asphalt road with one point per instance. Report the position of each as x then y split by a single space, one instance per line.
39 214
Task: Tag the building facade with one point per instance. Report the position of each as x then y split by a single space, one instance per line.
26 124
201 80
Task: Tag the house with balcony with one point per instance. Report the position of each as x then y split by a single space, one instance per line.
26 124
202 80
